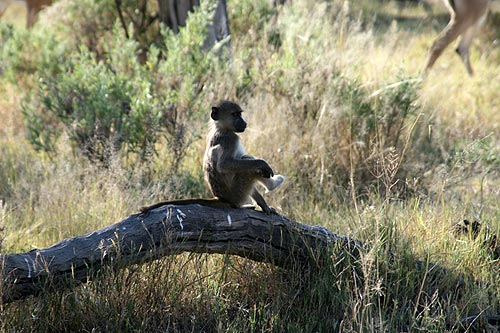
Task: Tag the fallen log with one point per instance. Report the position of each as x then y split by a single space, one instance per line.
174 229
165 231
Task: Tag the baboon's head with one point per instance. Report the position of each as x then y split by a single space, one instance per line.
227 117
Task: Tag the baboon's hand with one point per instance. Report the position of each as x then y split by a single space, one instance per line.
265 170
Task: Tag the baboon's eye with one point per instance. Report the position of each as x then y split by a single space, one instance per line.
236 114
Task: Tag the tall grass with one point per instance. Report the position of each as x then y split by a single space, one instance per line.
334 101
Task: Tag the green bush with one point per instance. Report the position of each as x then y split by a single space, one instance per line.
91 22
66 26
376 131
115 102
101 105
23 53
383 128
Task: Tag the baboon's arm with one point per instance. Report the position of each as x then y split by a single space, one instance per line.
245 166
227 155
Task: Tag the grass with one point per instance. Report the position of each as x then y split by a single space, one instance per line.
306 75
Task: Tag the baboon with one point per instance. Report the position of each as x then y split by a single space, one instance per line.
231 174
466 18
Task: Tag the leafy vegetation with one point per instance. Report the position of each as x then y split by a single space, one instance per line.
116 103
99 119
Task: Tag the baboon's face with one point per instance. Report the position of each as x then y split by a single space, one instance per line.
227 116
239 123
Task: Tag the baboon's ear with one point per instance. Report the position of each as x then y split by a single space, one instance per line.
215 113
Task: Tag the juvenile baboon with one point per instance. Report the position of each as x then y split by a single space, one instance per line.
231 174
466 16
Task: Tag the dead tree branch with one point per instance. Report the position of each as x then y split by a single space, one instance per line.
166 231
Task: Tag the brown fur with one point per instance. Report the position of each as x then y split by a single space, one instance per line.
466 17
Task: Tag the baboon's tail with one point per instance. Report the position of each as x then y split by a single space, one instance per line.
209 202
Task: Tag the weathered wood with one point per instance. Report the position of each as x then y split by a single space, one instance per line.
165 231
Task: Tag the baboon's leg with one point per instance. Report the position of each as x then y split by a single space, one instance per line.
261 202
272 182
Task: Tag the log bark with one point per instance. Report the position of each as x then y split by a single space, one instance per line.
165 231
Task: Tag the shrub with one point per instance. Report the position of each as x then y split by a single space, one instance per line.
101 105
366 138
111 102
90 23
23 52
